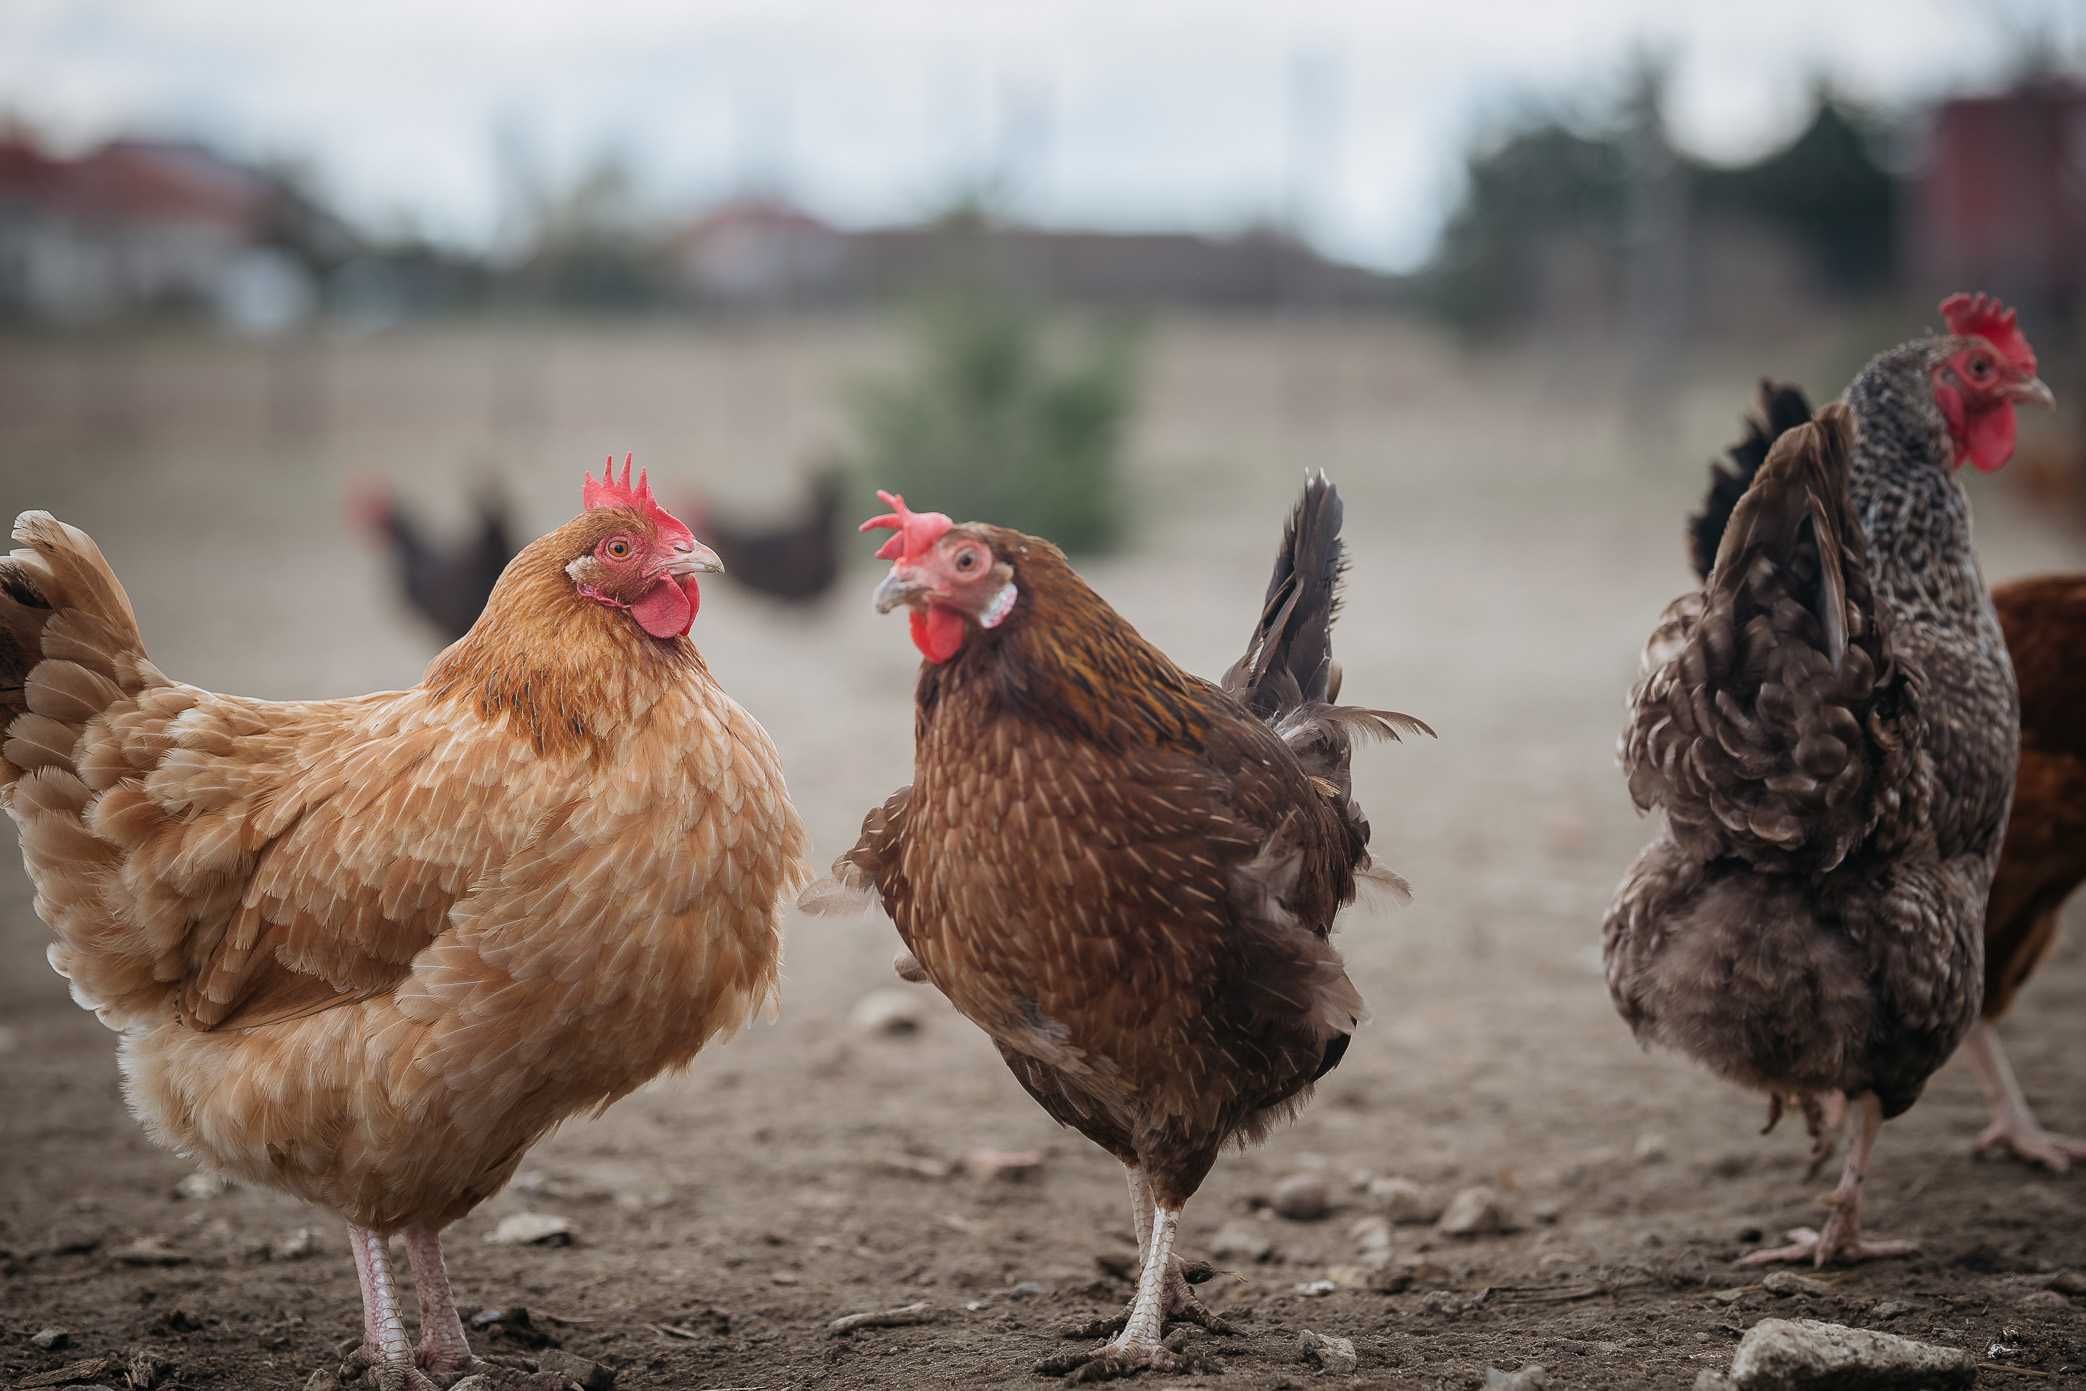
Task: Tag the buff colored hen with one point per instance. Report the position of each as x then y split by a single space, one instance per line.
369 951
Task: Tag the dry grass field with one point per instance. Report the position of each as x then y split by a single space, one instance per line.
1515 525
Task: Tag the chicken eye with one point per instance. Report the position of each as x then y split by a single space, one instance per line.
966 560
618 549
1980 367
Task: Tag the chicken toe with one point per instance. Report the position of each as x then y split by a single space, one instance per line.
2014 1127
1841 1242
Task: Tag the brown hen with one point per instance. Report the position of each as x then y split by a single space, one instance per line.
1127 875
369 951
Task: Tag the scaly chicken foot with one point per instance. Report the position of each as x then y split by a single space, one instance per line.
1138 1347
386 1355
1178 1300
2014 1127
444 1352
1841 1241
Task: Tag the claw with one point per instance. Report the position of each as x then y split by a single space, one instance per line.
2026 1139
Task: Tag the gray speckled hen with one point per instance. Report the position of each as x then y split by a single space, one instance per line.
1830 726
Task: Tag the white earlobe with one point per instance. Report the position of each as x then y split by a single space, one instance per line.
995 613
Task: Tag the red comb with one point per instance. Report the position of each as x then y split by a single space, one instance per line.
1981 316
915 531
610 492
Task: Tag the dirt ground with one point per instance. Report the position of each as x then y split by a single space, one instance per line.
1515 527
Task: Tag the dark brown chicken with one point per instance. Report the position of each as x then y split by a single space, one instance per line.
1830 727
1127 875
2044 858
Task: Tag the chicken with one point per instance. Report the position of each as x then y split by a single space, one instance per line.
369 951
1831 727
2044 855
446 585
797 561
1126 875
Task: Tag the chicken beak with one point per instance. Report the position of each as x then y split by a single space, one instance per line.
2034 392
694 558
899 587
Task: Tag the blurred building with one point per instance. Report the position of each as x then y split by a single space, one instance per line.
2001 197
768 254
149 226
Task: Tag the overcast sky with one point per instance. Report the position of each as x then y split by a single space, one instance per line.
1132 113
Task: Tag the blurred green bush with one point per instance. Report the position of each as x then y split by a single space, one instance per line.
1005 417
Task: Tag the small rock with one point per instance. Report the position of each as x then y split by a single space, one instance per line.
1474 1212
477 1381
1533 1377
52 1339
1241 1241
1316 1289
1731 1296
294 1245
147 1250
1546 1211
591 1376
1795 1354
1404 1202
1372 1238
1650 1148
327 1381
1027 1289
1786 1283
2047 1300
531 1229
889 1013
2069 1282
201 1188
1303 1197
1890 1309
1003 1164
1710 1379
1326 1352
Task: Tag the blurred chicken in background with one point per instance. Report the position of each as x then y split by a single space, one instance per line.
446 583
796 559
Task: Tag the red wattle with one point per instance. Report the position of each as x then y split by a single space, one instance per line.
937 632
1991 437
668 608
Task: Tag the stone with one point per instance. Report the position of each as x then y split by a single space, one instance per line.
1651 1148
576 1370
1799 1354
1533 1377
889 1013
1787 1283
1326 1352
1890 1309
294 1245
1304 1197
1474 1212
52 1339
148 1250
1010 1165
1241 1241
531 1229
2069 1282
1316 1289
1404 1202
1372 1239
2047 1301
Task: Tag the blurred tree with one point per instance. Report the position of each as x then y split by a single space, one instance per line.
991 425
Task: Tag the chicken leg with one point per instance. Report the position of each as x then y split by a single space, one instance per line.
444 1352
1841 1240
1180 1302
2014 1126
1138 1347
385 1352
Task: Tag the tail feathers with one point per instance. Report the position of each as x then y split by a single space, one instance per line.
69 643
1782 409
1776 727
1289 660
